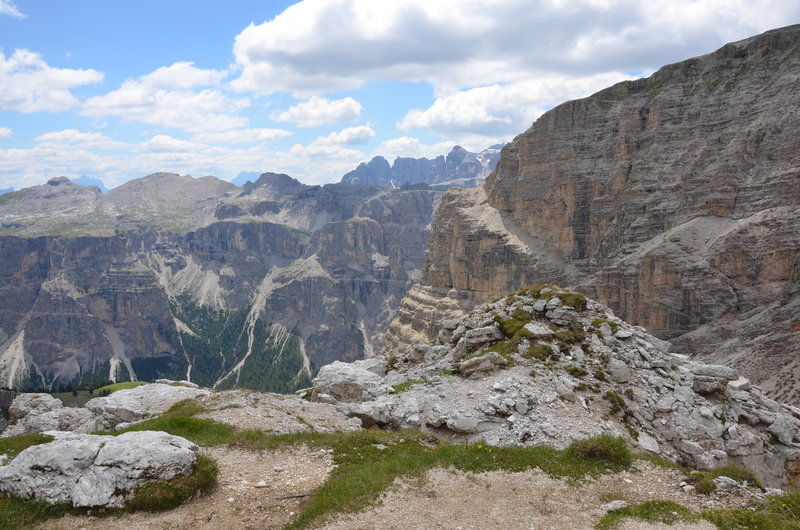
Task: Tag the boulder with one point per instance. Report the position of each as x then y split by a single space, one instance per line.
714 370
24 404
36 413
87 470
485 363
136 404
476 338
348 382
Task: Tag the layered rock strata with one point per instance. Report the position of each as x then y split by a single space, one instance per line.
197 279
547 366
673 199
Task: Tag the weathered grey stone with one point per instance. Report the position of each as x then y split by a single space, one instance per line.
742 383
605 330
537 328
618 371
375 365
24 404
648 443
614 505
479 336
135 404
96 471
714 370
37 413
784 428
348 382
709 385
485 363
562 317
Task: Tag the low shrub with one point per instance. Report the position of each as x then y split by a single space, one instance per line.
575 300
403 387
576 371
611 450
540 352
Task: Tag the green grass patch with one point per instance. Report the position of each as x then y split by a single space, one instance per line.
575 300
536 290
403 387
18 513
576 371
165 495
198 430
363 471
659 461
617 402
14 445
611 450
667 512
512 326
540 352
781 512
120 386
597 322
704 480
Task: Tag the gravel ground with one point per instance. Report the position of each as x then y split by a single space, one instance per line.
444 499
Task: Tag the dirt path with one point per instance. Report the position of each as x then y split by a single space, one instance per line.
443 499
455 500
238 502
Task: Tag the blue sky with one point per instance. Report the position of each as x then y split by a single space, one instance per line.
118 90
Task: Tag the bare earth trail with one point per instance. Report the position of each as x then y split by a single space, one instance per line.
266 490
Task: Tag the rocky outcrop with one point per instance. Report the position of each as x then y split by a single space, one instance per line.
91 471
673 199
547 366
33 413
230 287
459 168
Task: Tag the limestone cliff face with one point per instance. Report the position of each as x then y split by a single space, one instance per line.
268 283
673 199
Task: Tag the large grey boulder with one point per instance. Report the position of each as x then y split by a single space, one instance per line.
135 404
87 470
348 382
36 413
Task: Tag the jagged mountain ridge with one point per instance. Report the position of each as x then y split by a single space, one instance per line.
459 168
673 199
197 278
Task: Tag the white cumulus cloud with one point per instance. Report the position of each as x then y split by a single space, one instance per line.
351 136
5 132
172 97
503 110
84 139
318 46
29 84
164 143
318 111
242 136
7 7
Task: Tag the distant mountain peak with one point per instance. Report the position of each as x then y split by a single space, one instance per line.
459 168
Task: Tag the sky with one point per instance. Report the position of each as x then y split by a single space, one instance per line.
119 90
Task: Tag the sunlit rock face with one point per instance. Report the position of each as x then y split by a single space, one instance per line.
673 199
